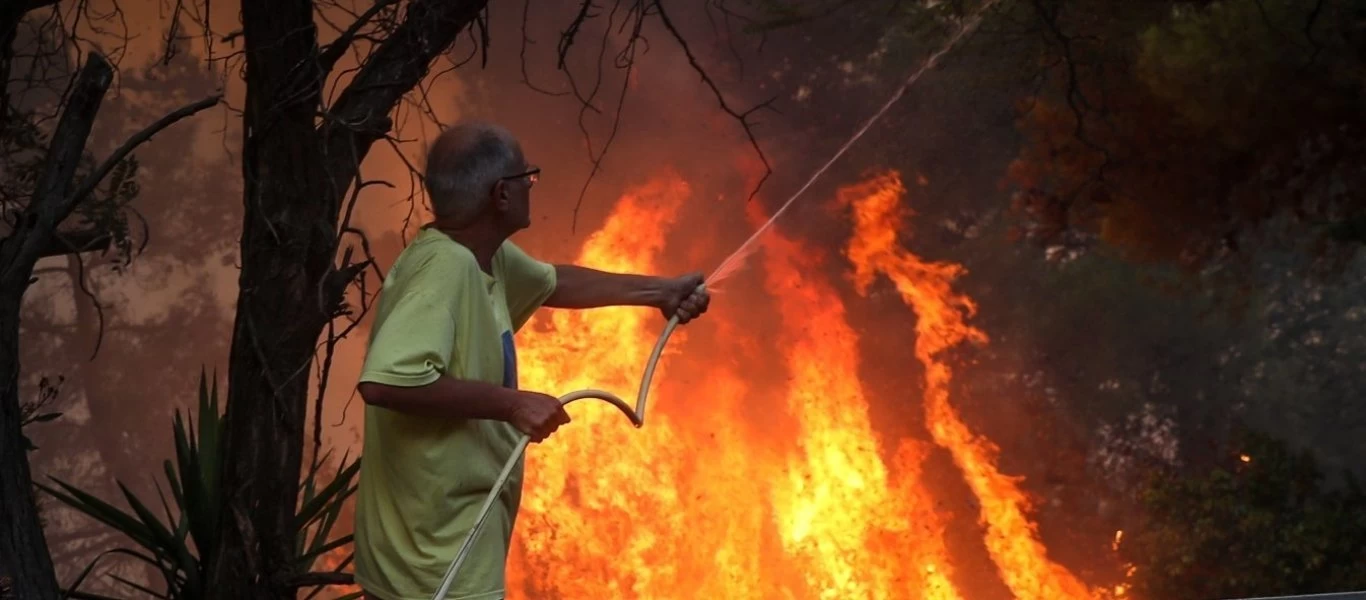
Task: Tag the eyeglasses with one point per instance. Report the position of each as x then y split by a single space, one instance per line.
531 175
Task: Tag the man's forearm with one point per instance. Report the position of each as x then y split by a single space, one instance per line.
581 287
447 398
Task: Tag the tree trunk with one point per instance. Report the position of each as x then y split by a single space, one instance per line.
287 246
296 173
25 566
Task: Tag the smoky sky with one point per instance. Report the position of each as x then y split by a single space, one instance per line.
168 315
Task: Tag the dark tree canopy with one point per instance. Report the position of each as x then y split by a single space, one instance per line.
1189 135
1265 521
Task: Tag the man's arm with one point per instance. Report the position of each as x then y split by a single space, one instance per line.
445 398
582 287
534 414
405 364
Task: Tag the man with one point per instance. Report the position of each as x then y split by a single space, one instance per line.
443 411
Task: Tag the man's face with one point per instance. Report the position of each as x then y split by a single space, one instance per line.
515 196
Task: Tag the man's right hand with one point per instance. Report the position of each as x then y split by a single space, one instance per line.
537 415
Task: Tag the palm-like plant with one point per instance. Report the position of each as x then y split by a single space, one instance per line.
180 547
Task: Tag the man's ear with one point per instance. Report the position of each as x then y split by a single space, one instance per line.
500 196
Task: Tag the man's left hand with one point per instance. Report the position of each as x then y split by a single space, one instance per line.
683 298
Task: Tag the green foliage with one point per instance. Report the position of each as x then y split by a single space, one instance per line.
1262 522
180 547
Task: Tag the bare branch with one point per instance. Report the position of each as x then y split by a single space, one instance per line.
51 202
481 22
742 117
76 242
1076 98
172 33
76 271
312 579
360 116
568 35
12 12
527 41
138 138
333 52
628 55
1309 31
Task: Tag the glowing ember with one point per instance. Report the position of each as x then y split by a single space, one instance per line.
759 474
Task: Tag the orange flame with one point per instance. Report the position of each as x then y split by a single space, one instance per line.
328 562
941 313
838 507
759 474
613 512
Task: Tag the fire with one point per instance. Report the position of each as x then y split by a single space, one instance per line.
338 560
623 513
759 473
942 314
866 535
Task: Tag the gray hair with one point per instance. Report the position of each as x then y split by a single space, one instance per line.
463 165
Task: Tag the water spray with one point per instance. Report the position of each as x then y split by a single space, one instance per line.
732 263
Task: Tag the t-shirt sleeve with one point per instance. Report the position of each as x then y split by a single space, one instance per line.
529 283
413 345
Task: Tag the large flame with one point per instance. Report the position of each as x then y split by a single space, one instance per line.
759 473
864 535
615 513
941 315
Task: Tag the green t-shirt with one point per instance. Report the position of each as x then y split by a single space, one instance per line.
422 480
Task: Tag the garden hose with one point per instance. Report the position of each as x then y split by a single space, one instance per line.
637 417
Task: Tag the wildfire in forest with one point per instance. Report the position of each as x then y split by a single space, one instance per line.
705 502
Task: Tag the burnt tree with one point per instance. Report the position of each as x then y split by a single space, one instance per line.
31 233
300 157
24 561
50 184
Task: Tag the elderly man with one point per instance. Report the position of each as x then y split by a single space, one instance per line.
443 410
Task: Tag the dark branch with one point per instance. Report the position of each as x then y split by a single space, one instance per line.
333 52
76 269
12 12
360 116
627 58
312 579
76 242
742 117
137 140
172 33
79 595
567 36
52 201
527 41
1309 31
1076 98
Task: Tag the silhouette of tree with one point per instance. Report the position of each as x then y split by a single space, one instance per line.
50 178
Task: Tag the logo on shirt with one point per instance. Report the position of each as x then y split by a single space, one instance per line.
509 361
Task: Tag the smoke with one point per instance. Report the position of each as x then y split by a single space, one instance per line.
662 122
